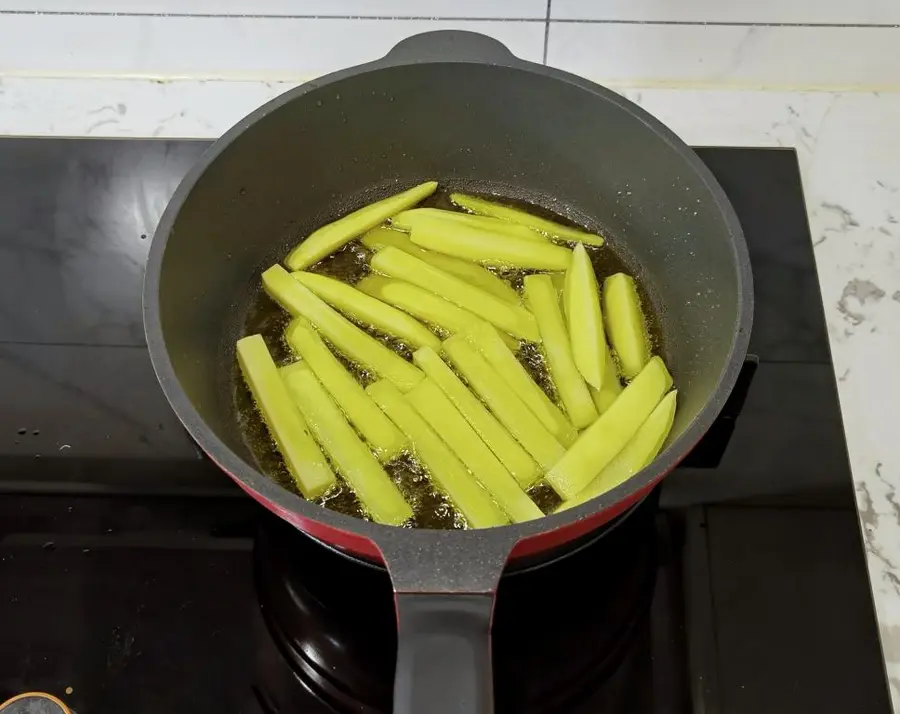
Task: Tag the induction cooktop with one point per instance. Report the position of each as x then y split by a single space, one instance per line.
136 577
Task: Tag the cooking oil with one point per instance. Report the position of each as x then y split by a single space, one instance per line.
350 264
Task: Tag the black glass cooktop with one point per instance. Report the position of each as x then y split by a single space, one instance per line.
134 577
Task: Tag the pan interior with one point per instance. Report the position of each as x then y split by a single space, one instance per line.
479 128
350 264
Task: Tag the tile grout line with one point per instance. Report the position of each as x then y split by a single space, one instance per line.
267 16
547 31
547 20
725 23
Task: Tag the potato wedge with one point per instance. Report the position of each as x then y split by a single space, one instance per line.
625 323
417 217
543 301
305 462
355 344
637 453
584 319
488 341
442 416
503 402
327 239
379 496
599 444
516 460
447 473
516 215
611 388
480 277
512 318
369 310
488 248
381 434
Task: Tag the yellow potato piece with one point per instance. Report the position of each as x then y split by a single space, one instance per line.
516 460
304 461
584 319
369 310
363 413
329 238
637 453
488 248
446 472
423 304
611 389
378 238
355 344
488 341
625 324
503 402
559 284
516 215
418 217
512 318
543 301
599 444
416 301
379 496
434 406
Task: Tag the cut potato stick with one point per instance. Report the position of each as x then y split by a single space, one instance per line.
544 303
327 239
305 462
369 310
416 301
443 417
425 305
636 454
611 389
488 341
515 215
379 496
483 278
381 434
512 318
599 444
355 344
417 217
447 473
482 246
584 319
625 324
510 453
503 402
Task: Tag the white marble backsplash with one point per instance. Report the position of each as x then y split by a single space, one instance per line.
275 47
730 73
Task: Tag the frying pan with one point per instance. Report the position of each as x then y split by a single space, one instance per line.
460 108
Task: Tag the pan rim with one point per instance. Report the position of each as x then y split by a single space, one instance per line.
255 481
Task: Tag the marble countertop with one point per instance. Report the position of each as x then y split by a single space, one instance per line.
850 160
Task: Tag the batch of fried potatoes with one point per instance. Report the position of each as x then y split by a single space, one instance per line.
464 407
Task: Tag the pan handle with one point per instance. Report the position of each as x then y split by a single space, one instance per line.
444 654
444 584
447 45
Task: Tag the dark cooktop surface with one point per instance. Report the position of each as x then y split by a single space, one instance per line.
135 577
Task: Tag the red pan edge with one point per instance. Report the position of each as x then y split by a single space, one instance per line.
364 547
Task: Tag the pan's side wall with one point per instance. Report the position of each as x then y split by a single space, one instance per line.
524 134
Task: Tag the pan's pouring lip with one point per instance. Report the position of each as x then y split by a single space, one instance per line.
269 491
